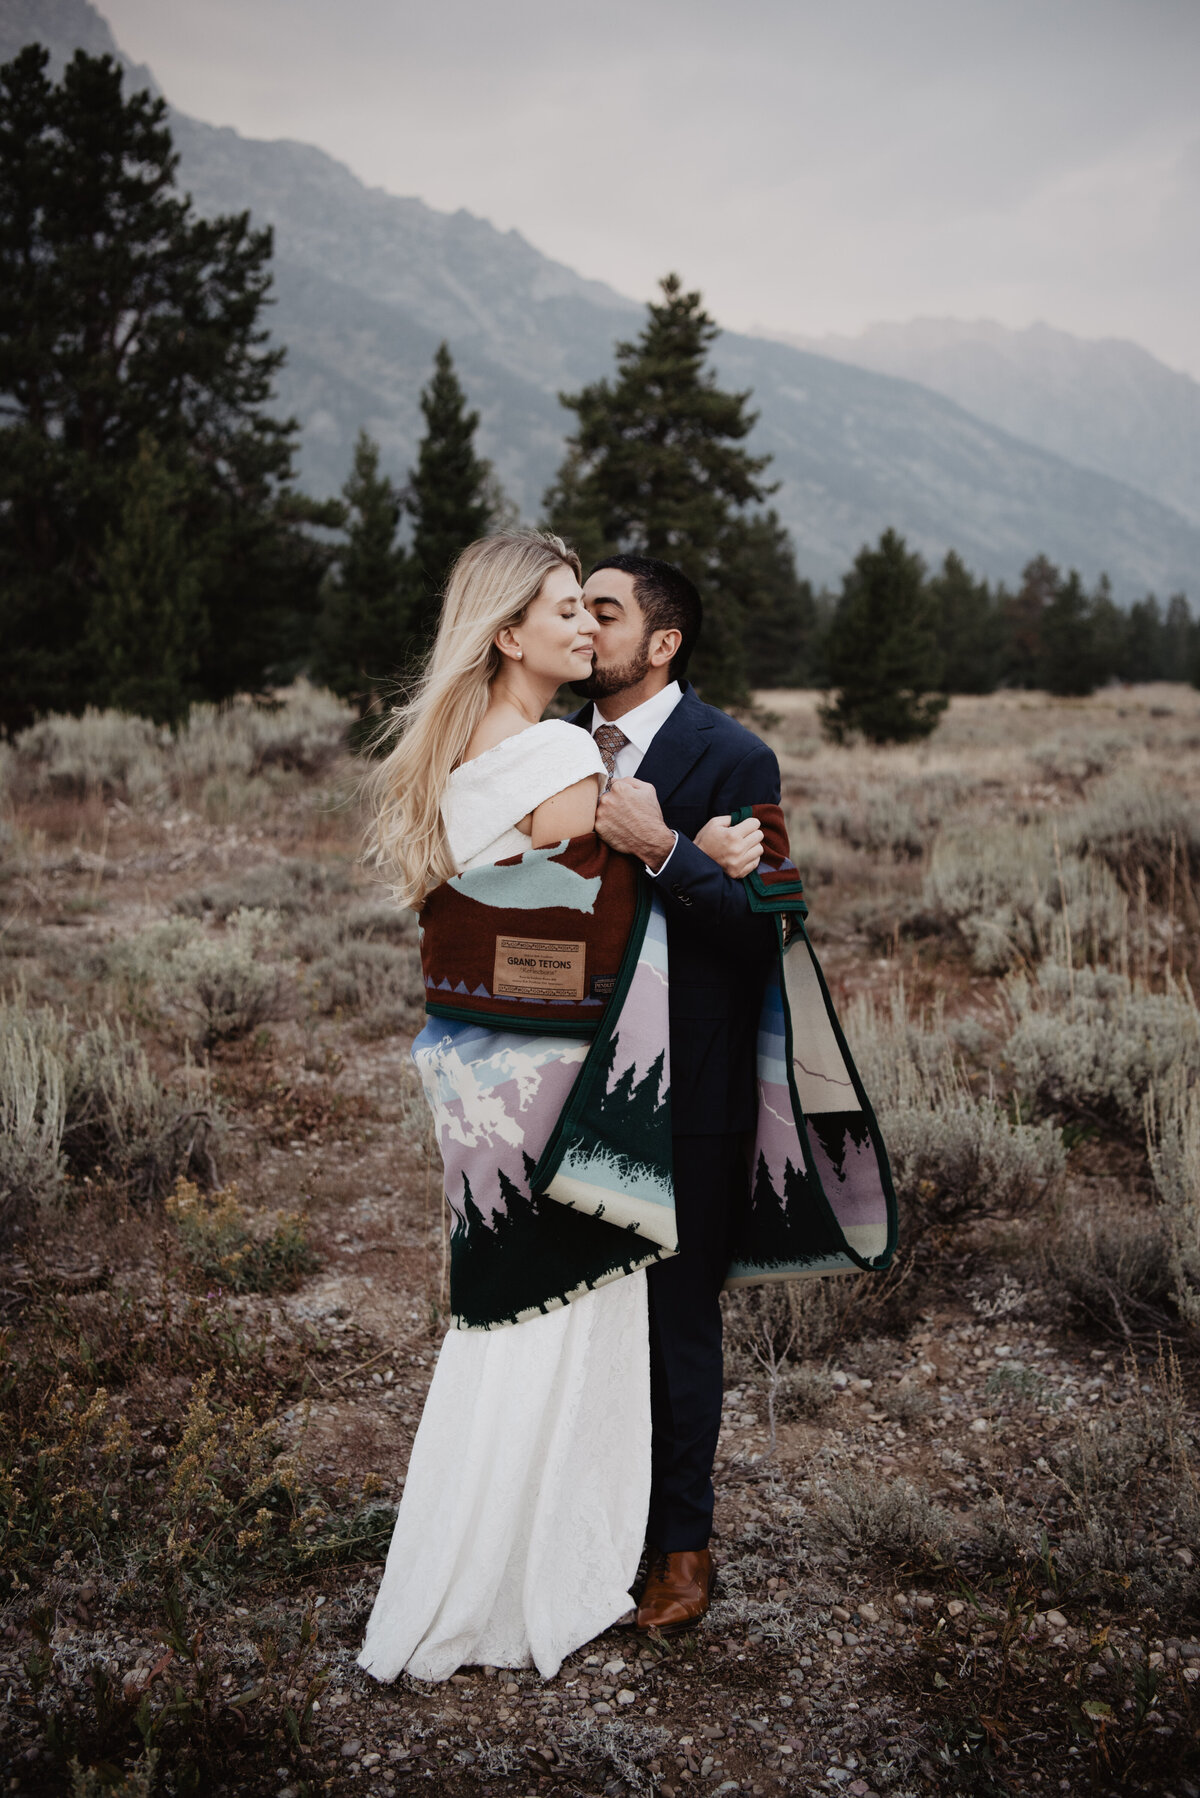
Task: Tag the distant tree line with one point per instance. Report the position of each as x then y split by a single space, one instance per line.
898 641
154 550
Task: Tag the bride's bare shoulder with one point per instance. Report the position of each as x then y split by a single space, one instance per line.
504 729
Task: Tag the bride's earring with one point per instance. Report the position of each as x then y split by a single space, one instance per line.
520 653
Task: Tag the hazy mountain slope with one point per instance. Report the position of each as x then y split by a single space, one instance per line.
1107 405
368 283
945 477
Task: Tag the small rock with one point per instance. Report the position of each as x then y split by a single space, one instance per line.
955 1608
978 1426
834 1636
350 1748
868 1613
612 1668
602 1709
840 1612
371 1760
924 1602
625 1696
840 1380
1055 1620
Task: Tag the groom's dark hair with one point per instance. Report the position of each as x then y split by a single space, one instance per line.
668 601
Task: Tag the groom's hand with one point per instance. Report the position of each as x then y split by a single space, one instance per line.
630 819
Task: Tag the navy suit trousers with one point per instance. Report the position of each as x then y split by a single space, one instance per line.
686 1363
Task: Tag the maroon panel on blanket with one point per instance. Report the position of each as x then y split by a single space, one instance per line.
550 959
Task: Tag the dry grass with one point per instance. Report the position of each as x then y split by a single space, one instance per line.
956 1505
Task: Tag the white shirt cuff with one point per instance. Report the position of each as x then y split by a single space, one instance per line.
662 868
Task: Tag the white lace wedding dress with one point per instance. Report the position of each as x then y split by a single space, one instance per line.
524 1510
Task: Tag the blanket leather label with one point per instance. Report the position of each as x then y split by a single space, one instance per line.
537 968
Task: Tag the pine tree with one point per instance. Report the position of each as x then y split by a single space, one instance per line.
1181 641
147 622
1142 648
361 639
882 650
778 608
1069 662
968 629
1106 625
654 466
1022 616
121 313
452 494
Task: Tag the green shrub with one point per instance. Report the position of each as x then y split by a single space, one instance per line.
304 728
1111 1264
1012 898
381 982
32 1115
1131 823
123 1124
1076 759
1173 1136
107 752
217 1239
290 888
895 1517
1139 1460
222 984
1091 1043
954 1153
883 825
804 1392
323 933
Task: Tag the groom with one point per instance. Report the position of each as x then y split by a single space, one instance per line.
674 762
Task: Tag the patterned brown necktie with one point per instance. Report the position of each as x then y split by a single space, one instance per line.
610 741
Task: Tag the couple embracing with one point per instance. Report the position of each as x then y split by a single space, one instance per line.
603 918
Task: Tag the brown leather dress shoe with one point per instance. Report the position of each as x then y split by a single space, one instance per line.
678 1590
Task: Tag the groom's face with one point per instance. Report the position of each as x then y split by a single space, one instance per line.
622 640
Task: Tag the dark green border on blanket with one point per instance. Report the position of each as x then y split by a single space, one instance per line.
581 1092
775 895
528 1022
883 1260
784 899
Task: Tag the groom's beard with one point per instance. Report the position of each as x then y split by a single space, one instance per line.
601 682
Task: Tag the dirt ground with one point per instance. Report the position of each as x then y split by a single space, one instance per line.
894 1615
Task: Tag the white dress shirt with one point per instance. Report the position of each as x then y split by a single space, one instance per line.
641 726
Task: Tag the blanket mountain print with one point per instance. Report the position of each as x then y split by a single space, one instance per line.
546 1062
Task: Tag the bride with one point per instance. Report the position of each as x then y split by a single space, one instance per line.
523 1515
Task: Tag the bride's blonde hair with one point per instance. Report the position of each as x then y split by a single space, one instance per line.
492 584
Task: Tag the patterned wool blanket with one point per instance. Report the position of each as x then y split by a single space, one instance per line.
546 1062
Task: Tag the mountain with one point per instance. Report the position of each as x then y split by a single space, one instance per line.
368 283
1106 405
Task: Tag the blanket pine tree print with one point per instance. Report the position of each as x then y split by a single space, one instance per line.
557 1140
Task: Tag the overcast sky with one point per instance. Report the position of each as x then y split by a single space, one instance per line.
811 165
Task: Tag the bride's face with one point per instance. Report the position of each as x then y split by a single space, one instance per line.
556 638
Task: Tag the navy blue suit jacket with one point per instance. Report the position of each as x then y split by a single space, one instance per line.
701 764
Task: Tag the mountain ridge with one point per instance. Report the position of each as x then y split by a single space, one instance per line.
1104 403
367 283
